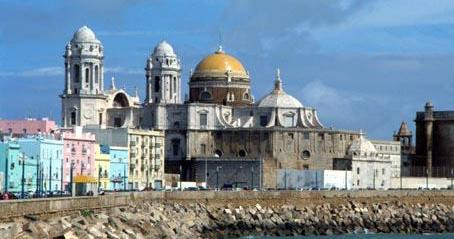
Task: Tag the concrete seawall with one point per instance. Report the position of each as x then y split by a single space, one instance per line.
17 208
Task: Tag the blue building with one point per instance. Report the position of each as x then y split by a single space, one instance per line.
118 173
47 152
15 166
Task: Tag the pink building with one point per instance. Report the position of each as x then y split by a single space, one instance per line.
27 126
78 150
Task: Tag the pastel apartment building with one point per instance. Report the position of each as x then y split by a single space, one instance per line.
14 166
102 165
119 167
27 126
46 151
78 154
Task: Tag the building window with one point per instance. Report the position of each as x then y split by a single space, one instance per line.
218 153
203 149
289 120
305 166
203 119
96 74
205 95
305 154
382 183
24 131
73 118
383 171
174 84
263 120
175 146
357 182
117 122
87 75
157 84
75 91
242 153
306 135
357 170
100 118
76 73
246 96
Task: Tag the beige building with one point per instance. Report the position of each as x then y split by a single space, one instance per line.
146 158
146 153
389 150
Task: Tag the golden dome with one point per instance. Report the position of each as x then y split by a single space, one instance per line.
220 63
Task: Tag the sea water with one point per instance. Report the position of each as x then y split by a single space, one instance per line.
366 236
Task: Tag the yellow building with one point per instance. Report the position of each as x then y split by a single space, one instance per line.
146 158
102 165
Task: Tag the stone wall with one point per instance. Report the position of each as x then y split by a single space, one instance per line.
18 208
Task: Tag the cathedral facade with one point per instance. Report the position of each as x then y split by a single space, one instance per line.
219 123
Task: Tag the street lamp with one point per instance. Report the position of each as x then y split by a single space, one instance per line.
71 177
23 176
99 177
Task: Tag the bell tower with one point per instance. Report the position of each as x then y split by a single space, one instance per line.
83 95
163 76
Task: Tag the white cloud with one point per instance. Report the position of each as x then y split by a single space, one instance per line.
122 70
38 72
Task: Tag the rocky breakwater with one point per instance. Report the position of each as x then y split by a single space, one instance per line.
197 220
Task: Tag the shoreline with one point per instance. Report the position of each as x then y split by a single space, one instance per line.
246 214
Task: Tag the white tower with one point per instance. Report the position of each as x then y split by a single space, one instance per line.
84 89
163 73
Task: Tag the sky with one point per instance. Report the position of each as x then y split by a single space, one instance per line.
362 64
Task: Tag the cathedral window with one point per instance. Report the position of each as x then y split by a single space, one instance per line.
217 153
76 73
305 154
87 75
242 153
175 146
157 84
203 119
263 120
289 120
96 74
73 118
205 95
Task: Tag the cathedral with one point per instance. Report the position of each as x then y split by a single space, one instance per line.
219 134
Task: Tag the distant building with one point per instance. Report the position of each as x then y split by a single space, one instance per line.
146 153
119 168
405 137
78 154
389 150
27 126
47 152
14 164
369 169
102 166
434 142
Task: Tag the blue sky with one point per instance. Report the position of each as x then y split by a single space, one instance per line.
363 64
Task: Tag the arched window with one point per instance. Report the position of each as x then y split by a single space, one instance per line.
242 153
157 84
175 146
217 153
246 96
76 73
305 154
87 75
73 118
205 95
96 74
